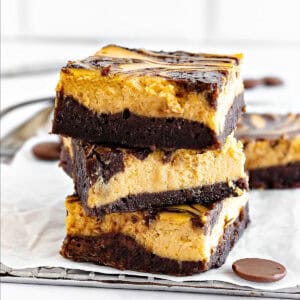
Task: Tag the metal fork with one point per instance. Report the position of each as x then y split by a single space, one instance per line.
14 140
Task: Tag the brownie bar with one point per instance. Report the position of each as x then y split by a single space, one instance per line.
118 179
123 251
272 149
138 98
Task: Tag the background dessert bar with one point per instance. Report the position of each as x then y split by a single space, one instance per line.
272 148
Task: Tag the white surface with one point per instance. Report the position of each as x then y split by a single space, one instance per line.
116 18
36 292
32 224
264 20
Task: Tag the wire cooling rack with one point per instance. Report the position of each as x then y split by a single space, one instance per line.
61 276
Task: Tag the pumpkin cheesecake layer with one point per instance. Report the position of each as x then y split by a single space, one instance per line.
272 149
139 98
177 240
121 179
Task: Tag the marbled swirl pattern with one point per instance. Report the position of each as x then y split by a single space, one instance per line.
268 126
197 71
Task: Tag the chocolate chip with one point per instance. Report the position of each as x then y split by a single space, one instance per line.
105 70
268 81
197 223
47 151
152 148
272 81
167 156
259 270
252 83
134 219
126 114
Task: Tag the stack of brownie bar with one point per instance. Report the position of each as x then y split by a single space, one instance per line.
159 177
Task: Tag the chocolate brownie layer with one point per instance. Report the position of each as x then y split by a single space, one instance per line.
111 179
128 129
276 177
123 252
204 195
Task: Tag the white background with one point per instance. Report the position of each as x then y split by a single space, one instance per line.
199 20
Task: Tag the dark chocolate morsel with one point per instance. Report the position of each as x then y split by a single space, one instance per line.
47 151
268 81
272 81
259 270
252 83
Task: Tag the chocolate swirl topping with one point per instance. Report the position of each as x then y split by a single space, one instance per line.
268 126
190 71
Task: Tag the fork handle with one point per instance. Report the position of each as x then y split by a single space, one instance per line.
25 103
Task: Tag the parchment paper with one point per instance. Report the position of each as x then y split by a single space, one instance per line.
33 213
